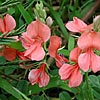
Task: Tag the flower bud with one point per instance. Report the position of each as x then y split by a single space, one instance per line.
96 23
49 21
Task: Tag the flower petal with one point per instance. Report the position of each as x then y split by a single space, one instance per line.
76 25
60 60
10 23
55 43
65 71
44 79
9 54
85 40
36 28
95 60
2 28
75 78
75 53
33 76
84 61
96 41
37 54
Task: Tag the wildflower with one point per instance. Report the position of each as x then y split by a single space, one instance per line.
55 43
88 41
76 25
37 33
7 24
72 72
9 53
39 76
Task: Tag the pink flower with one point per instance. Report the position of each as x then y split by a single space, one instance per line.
89 60
39 76
72 72
9 53
8 24
88 41
37 33
76 25
55 43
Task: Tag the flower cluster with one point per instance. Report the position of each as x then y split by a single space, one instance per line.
83 55
37 34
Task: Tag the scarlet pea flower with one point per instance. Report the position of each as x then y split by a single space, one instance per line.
37 33
55 43
88 41
7 24
39 76
72 72
9 53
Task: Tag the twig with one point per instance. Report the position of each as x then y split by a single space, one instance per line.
92 10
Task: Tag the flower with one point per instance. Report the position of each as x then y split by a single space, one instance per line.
39 76
37 33
76 25
9 53
8 24
72 72
88 41
55 43
89 60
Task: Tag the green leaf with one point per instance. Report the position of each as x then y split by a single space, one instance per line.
94 80
54 82
25 14
23 86
2 60
58 20
16 45
10 69
10 89
6 40
71 43
3 97
36 98
65 52
64 96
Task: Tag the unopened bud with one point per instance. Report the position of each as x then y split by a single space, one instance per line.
49 21
96 23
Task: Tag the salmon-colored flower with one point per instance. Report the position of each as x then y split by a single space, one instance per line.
39 76
55 43
88 41
37 33
72 72
7 24
9 53
76 25
89 60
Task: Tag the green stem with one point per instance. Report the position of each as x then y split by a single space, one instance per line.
89 87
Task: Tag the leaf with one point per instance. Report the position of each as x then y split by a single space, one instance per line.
64 96
54 82
65 52
9 88
10 69
3 97
94 80
12 90
71 43
25 14
36 98
16 45
6 40
23 86
58 20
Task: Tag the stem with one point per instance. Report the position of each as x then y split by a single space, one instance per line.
89 87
